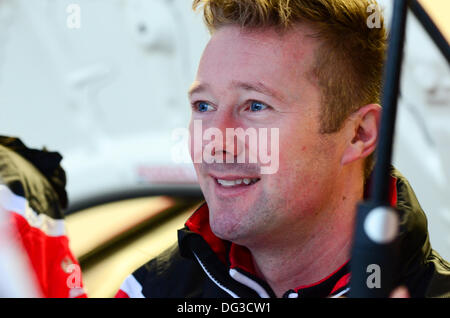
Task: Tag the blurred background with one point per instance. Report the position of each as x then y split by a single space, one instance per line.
104 82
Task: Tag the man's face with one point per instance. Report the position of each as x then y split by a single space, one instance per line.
259 79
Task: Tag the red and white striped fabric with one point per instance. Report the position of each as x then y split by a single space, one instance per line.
130 288
42 242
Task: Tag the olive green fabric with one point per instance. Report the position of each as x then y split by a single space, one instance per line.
35 175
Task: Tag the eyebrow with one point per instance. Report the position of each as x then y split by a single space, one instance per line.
258 86
197 87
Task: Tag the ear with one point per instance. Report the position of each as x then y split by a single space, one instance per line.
362 133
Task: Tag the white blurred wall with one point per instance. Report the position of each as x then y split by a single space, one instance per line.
106 95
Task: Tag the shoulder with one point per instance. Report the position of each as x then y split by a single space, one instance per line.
426 273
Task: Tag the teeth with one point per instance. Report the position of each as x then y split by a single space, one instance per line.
231 183
226 183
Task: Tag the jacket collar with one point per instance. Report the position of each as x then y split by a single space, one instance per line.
231 267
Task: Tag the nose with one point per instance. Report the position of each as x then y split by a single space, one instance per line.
225 145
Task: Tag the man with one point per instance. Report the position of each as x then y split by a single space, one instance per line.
32 199
311 72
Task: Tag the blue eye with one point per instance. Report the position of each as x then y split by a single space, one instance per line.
257 106
203 107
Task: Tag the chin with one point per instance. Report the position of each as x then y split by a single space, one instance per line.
224 225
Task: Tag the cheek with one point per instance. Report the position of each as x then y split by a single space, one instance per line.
291 171
301 160
295 185
195 143
295 150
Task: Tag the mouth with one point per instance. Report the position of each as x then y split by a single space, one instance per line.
234 185
238 182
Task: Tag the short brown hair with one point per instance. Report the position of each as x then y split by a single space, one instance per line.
349 62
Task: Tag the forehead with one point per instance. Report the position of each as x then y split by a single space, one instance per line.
265 55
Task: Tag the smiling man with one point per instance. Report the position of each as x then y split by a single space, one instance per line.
265 216
310 73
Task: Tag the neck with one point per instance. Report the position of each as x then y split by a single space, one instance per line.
308 254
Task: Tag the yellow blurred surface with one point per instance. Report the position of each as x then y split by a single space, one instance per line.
93 227
439 10
106 270
105 277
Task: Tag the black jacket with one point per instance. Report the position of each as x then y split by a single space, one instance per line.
202 265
